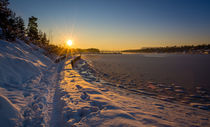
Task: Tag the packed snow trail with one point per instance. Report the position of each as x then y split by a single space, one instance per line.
91 102
56 116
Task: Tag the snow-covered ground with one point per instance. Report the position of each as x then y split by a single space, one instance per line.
93 102
27 83
34 91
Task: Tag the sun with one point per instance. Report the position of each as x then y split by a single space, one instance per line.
69 43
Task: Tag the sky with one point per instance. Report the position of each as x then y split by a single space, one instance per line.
120 24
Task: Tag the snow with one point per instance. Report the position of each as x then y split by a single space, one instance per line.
18 65
35 91
27 80
92 102
11 113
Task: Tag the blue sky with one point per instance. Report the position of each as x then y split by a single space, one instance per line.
120 24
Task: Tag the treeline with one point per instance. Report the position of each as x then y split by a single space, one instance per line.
12 27
173 49
89 50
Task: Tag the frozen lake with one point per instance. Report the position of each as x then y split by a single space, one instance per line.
186 70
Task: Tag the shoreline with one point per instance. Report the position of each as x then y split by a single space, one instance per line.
185 53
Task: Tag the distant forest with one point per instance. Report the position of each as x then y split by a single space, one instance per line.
205 48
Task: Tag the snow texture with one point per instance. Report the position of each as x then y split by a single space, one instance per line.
10 113
27 83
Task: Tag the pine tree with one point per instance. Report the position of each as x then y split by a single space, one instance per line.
33 28
44 39
20 27
11 33
5 13
40 35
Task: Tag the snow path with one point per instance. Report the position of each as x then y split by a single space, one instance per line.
57 117
90 103
45 107
39 108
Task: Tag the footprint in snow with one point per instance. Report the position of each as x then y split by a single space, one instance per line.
78 87
159 106
104 90
85 96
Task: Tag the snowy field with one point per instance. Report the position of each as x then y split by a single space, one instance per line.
34 91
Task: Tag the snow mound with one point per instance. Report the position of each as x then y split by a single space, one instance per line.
19 70
10 115
27 79
18 63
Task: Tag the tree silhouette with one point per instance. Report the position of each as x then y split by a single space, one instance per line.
44 40
20 28
11 33
5 13
33 29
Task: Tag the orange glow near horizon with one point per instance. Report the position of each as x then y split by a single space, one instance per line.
118 41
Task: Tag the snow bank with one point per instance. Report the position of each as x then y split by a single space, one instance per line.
27 79
10 115
18 63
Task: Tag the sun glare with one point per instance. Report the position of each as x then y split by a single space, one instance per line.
69 43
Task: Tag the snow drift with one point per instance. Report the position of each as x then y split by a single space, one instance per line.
18 63
27 79
10 115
